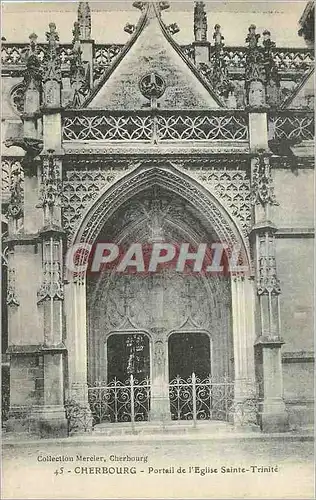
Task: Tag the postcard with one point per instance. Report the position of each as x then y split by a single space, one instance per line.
157 249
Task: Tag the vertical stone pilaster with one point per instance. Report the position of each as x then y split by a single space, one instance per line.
159 403
50 297
76 342
244 336
272 412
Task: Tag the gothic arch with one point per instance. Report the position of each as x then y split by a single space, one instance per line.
171 179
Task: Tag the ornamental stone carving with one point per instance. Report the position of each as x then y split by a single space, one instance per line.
12 299
15 207
255 76
262 190
78 75
51 185
52 78
200 22
84 20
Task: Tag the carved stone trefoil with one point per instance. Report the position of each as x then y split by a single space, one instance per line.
262 190
200 22
12 299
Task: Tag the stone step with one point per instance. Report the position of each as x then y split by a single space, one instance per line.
179 427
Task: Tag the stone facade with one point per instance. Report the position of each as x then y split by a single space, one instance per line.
147 142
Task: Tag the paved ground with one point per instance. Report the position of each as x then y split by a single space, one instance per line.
210 468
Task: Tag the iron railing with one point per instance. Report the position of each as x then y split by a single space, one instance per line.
196 399
155 126
120 402
191 399
212 399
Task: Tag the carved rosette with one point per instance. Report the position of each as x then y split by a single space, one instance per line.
12 299
262 190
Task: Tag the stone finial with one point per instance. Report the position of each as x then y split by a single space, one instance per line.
217 36
163 5
52 61
271 70
252 37
84 20
129 28
173 28
200 22
33 74
78 77
255 76
139 5
219 76
52 79
52 37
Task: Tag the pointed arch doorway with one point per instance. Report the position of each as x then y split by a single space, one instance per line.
160 303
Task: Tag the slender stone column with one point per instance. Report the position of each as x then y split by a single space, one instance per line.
76 341
244 336
159 404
